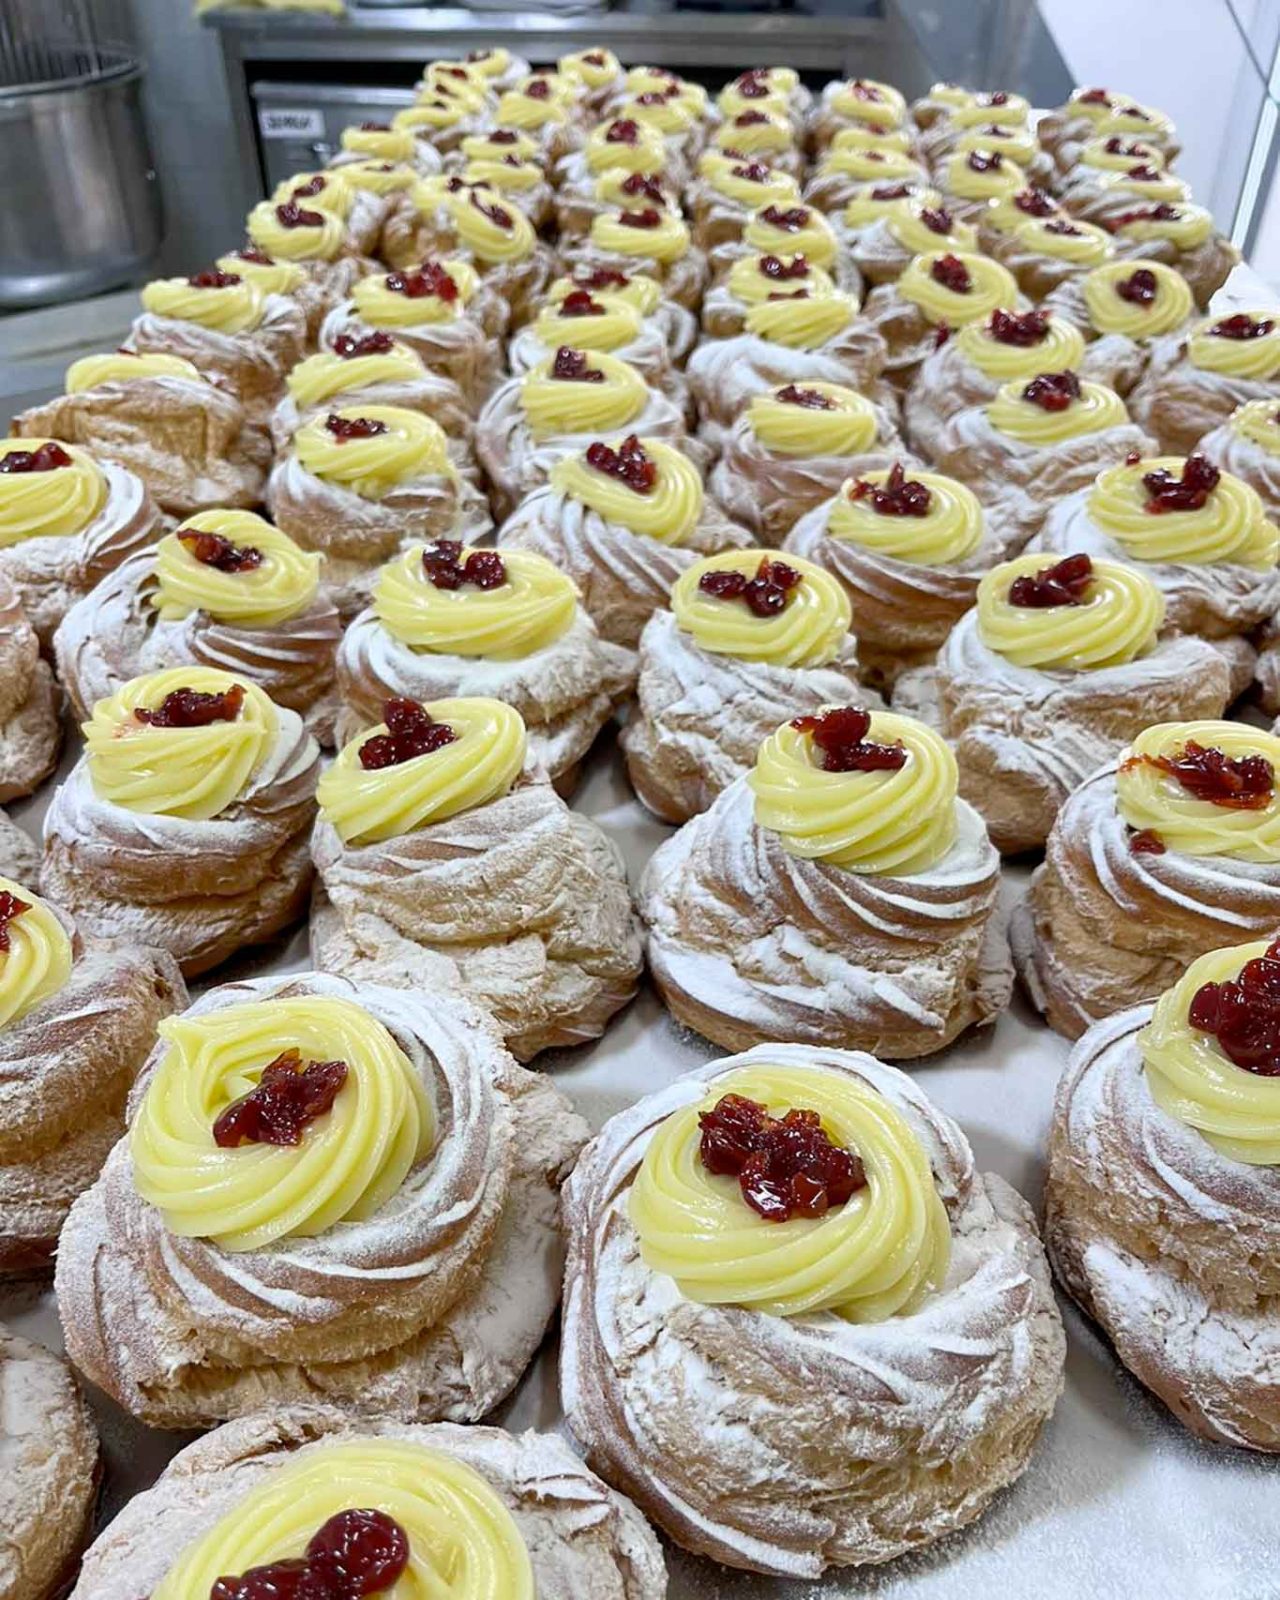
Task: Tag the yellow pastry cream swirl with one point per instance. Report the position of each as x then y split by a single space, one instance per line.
59 498
812 238
518 110
923 283
721 173
320 236
764 131
463 1542
804 324
267 275
222 308
1256 357
613 326
319 191
1118 616
908 226
1094 153
568 405
880 1254
264 579
970 175
1010 112
529 611
379 144
665 242
672 118
847 425
647 153
489 226
640 291
1081 243
865 208
593 69
1015 143
750 282
410 445
1186 228
862 136
480 764
949 531
436 115
1231 525
892 822
35 952
349 1161
121 366
508 177
320 377
485 147
807 632
195 773
1111 312
667 512
1259 422
1193 1080
1060 350
864 165
868 100
1095 407
380 303
1151 799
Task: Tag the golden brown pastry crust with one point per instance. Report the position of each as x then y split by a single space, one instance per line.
467 350
1179 403
30 705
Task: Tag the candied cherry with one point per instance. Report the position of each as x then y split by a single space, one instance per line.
570 366
1187 492
952 274
1094 97
1164 212
429 281
443 564
11 908
311 188
648 218
214 278
1140 288
1062 584
1063 229
897 496
354 1554
600 278
411 731
192 708
292 215
288 1096
752 86
1052 391
1035 202
1023 329
841 736
496 214
213 550
865 91
344 429
783 271
750 119
1236 783
1243 1014
891 191
792 220
984 161
764 595
644 183
1242 326
1147 842
1145 173
937 219
811 399
578 303
785 1166
375 127
629 463
259 258
623 131
47 458
539 89
753 172
347 346
503 136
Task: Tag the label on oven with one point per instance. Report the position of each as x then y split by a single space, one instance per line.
291 122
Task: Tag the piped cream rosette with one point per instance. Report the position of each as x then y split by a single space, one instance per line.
723 176
321 240
894 823
331 191
1257 358
640 291
991 287
668 512
489 226
1258 421
748 283
533 608
195 773
978 184
908 227
849 426
1084 245
667 241
323 376
222 308
1110 312
881 1254
463 1542
949 532
565 406
1016 417
814 239
410 446
281 586
59 502
864 163
867 100
121 366
1015 141
1152 800
1230 526
263 271
801 324
481 764
1061 350
809 631
867 206
381 306
1117 620
647 152
350 1161
615 325
36 962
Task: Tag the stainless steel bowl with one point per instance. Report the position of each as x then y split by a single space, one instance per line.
81 209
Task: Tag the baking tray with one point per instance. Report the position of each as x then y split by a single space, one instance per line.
1119 1500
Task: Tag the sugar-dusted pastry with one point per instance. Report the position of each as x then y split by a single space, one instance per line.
678 324
1247 445
496 67
276 225
441 310
313 289
461 80
30 706
618 144
855 162
1013 141
792 448
52 1472
949 111
378 143
314 241
908 548
226 590
447 622
760 133
1126 311
805 341
609 192
1112 196
186 438
852 103
645 238
239 337
374 369
1200 534
841 894
447 861
971 180
1035 443
559 408
18 850
760 278
599 321
1006 215
1197 376
542 106
680 118
360 482
706 1282
1181 234
66 520
184 824
1043 252
443 119
772 86
727 193
1062 661
750 638
325 1189
1100 114
788 233
883 244
1154 861
1161 1212
468 1512
938 292
595 74
1082 163
968 368
623 521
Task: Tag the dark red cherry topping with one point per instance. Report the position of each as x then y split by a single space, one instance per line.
764 595
349 345
411 732
443 564
287 1097
375 127
1094 97
655 97
1062 584
997 97
212 550
192 708
841 736
789 221
354 1554
215 278
292 215
1062 228
570 366
1187 492
812 399
785 1166
644 183
897 496
937 219
1164 212
311 188
1115 146
865 91
1145 173
48 458
539 89
623 131
752 85
578 303
648 218
344 429
629 463
892 191
1140 288
503 136
596 58
600 278
952 274
1243 1014
1034 202
984 161
1024 329
429 281
11 908
496 214
783 271
753 172
259 258
1242 326
1236 783
1146 842
750 119
1053 391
